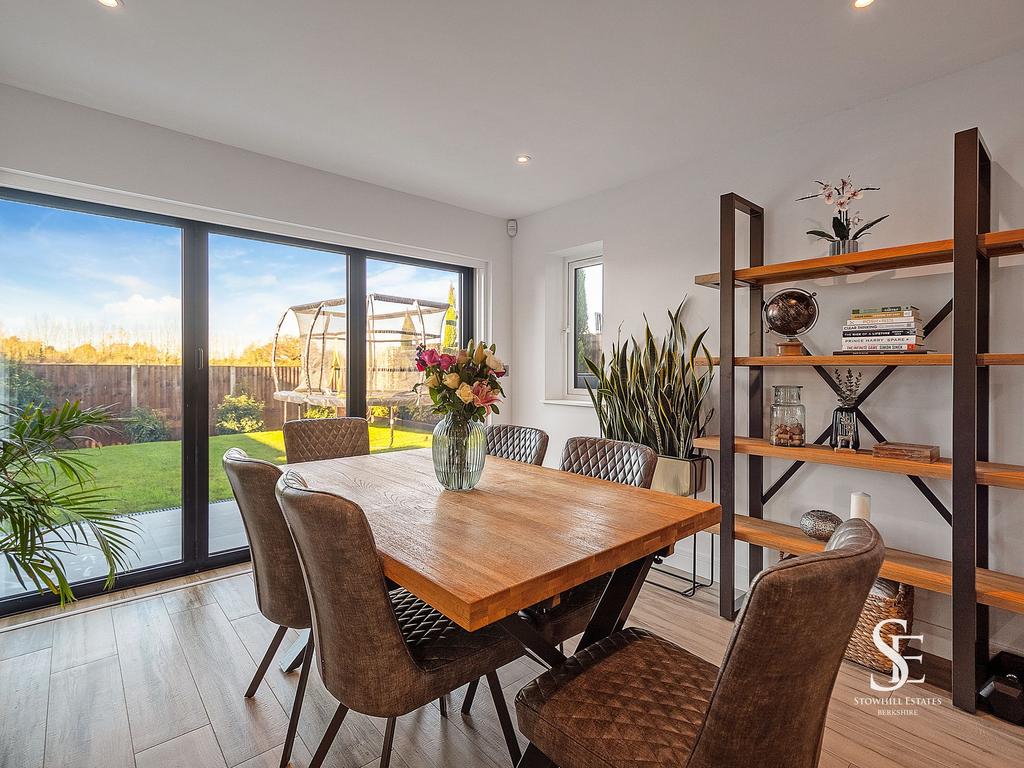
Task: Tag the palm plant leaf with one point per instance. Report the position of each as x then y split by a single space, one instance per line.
50 505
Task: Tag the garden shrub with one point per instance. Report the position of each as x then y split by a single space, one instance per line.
26 388
319 412
239 413
145 425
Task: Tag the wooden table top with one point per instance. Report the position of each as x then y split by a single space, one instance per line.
523 535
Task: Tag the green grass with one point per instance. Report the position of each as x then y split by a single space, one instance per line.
147 476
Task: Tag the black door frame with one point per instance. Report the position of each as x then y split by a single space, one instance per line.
195 239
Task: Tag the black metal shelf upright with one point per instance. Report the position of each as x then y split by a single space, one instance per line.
970 414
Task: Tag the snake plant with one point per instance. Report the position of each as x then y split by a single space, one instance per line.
653 392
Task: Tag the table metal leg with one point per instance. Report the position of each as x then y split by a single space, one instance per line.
523 631
617 601
609 616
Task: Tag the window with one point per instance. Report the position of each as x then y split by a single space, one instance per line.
407 304
92 312
584 310
201 338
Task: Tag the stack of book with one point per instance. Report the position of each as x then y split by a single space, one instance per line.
883 330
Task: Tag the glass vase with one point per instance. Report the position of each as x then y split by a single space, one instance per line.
459 449
788 417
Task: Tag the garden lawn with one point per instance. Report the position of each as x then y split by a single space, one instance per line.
147 476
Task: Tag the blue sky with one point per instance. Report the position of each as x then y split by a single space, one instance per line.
70 277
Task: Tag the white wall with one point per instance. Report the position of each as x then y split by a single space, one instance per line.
53 146
660 231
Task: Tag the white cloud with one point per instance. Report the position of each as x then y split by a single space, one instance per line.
140 310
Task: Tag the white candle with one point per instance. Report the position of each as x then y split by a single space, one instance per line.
860 505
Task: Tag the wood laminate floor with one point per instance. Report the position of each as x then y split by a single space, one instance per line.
154 679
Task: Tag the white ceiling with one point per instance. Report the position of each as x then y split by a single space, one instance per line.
437 98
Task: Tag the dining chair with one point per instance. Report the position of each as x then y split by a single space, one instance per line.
523 444
615 460
319 439
766 706
380 653
280 589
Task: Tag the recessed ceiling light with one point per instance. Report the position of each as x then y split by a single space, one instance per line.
110 3
523 159
862 3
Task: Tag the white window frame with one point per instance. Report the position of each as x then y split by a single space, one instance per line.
569 329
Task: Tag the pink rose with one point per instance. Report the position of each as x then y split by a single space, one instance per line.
484 396
445 361
420 365
430 357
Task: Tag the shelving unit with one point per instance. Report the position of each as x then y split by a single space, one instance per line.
998 590
990 245
966 576
988 473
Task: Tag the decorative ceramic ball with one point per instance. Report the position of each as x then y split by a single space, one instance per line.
819 524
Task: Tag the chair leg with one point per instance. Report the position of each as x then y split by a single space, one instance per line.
443 704
300 692
389 739
507 730
534 758
329 736
467 703
265 664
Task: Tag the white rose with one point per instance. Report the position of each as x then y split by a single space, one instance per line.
495 364
465 393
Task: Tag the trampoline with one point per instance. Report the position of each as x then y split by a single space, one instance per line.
395 326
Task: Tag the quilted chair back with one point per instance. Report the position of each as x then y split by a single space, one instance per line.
280 591
318 439
615 460
524 444
784 656
362 655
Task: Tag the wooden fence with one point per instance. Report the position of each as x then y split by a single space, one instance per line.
158 387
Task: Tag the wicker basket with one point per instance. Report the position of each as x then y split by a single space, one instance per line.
887 600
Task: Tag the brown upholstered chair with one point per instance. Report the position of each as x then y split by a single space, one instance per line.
318 439
766 707
615 460
383 654
280 590
523 444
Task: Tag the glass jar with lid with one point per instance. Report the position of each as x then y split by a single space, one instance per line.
788 417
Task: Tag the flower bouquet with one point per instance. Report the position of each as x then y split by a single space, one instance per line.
847 227
464 389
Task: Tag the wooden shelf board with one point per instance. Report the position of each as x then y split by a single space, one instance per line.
989 473
1000 590
993 244
938 359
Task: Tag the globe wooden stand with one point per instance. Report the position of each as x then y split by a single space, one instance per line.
789 348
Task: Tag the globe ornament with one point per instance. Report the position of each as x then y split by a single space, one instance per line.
790 313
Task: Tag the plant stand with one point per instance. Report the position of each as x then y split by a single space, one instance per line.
693 579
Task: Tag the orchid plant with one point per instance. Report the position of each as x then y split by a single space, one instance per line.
846 225
464 385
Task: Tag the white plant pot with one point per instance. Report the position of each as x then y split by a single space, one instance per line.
682 477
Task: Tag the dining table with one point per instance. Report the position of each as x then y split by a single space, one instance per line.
520 538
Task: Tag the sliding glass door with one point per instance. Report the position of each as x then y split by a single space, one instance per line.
407 304
277 351
197 339
92 308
